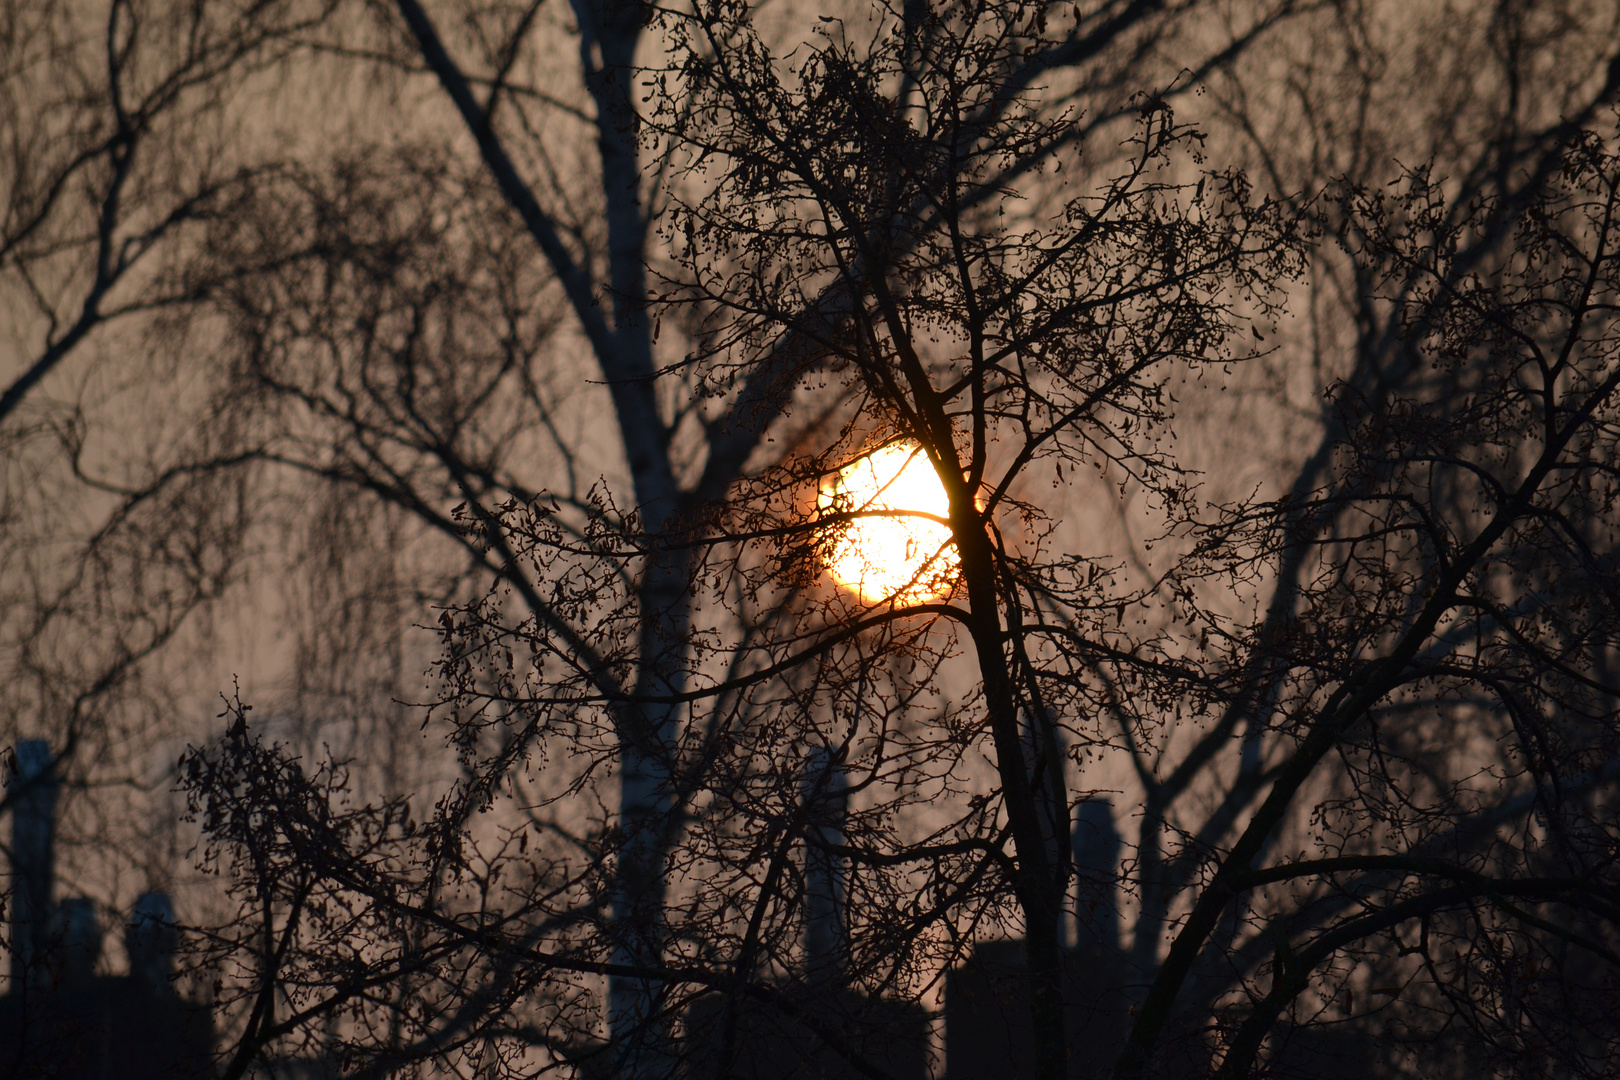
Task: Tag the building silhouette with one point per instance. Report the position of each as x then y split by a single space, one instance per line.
822 1025
59 1019
989 1034
988 1031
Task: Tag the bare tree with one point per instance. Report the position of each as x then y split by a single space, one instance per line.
116 527
388 350
679 459
199 214
1490 98
854 231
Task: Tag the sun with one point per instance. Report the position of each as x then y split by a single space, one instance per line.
909 560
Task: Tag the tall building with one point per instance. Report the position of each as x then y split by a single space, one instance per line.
821 1026
988 1031
989 1034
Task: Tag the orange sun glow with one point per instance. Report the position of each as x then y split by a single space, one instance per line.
909 560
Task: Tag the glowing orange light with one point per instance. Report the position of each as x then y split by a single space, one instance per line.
909 560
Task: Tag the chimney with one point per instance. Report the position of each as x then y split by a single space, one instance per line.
81 940
1096 871
151 941
826 804
32 866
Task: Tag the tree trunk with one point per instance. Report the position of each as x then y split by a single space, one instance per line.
1038 889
